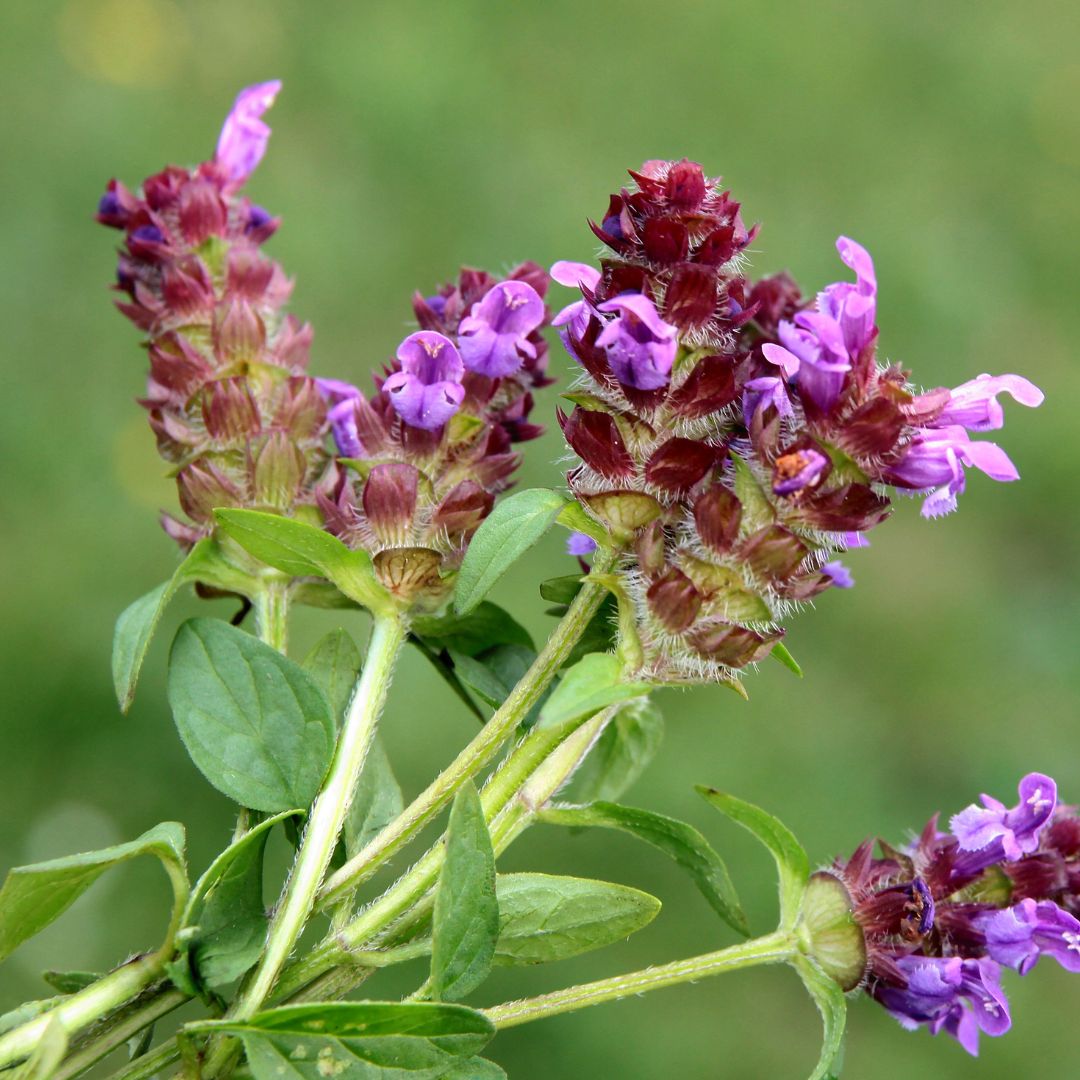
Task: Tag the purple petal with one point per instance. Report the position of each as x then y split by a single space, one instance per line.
759 393
856 257
575 274
342 419
642 310
431 357
974 404
493 337
640 346
244 135
855 540
785 359
334 390
580 544
998 833
840 574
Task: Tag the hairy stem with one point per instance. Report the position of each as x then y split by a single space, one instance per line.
328 811
772 949
482 749
272 615
540 764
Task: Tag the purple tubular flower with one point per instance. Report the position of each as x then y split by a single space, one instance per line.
797 470
427 390
820 346
961 997
855 540
974 404
244 135
1018 936
574 275
759 393
580 544
640 346
340 396
933 463
996 832
494 335
840 574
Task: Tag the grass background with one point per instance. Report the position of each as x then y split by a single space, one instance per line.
413 137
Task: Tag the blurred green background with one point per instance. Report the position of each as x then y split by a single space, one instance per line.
413 137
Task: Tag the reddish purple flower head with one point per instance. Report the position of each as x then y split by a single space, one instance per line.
244 135
494 336
640 346
427 390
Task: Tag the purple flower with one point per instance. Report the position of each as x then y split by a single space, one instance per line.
427 390
759 393
961 997
840 574
974 404
640 346
575 316
933 463
340 396
1018 936
820 345
855 540
244 136
496 332
797 470
580 544
997 832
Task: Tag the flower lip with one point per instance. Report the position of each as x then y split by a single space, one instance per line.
494 336
427 390
975 405
244 134
640 346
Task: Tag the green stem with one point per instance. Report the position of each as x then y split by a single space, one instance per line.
531 774
151 1063
483 748
119 1032
86 1006
272 615
771 949
328 811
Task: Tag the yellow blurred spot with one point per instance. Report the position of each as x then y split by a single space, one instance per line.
137 467
1055 118
128 42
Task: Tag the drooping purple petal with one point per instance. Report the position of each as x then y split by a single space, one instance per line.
1018 936
784 359
975 404
494 337
994 832
580 544
244 134
574 275
427 391
759 393
640 346
840 574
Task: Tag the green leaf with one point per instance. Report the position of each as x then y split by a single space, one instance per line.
621 754
483 627
334 663
676 839
71 982
441 662
476 1069
592 684
792 865
225 920
573 517
375 803
255 724
366 1040
561 590
479 678
507 533
829 999
543 917
465 922
780 652
302 550
47 1055
33 896
137 623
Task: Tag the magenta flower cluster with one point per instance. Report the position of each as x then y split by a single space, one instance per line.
943 916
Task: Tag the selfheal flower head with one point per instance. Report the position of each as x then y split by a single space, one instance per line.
427 390
996 832
640 346
494 337
228 397
244 135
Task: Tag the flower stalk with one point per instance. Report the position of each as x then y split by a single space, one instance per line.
776 948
